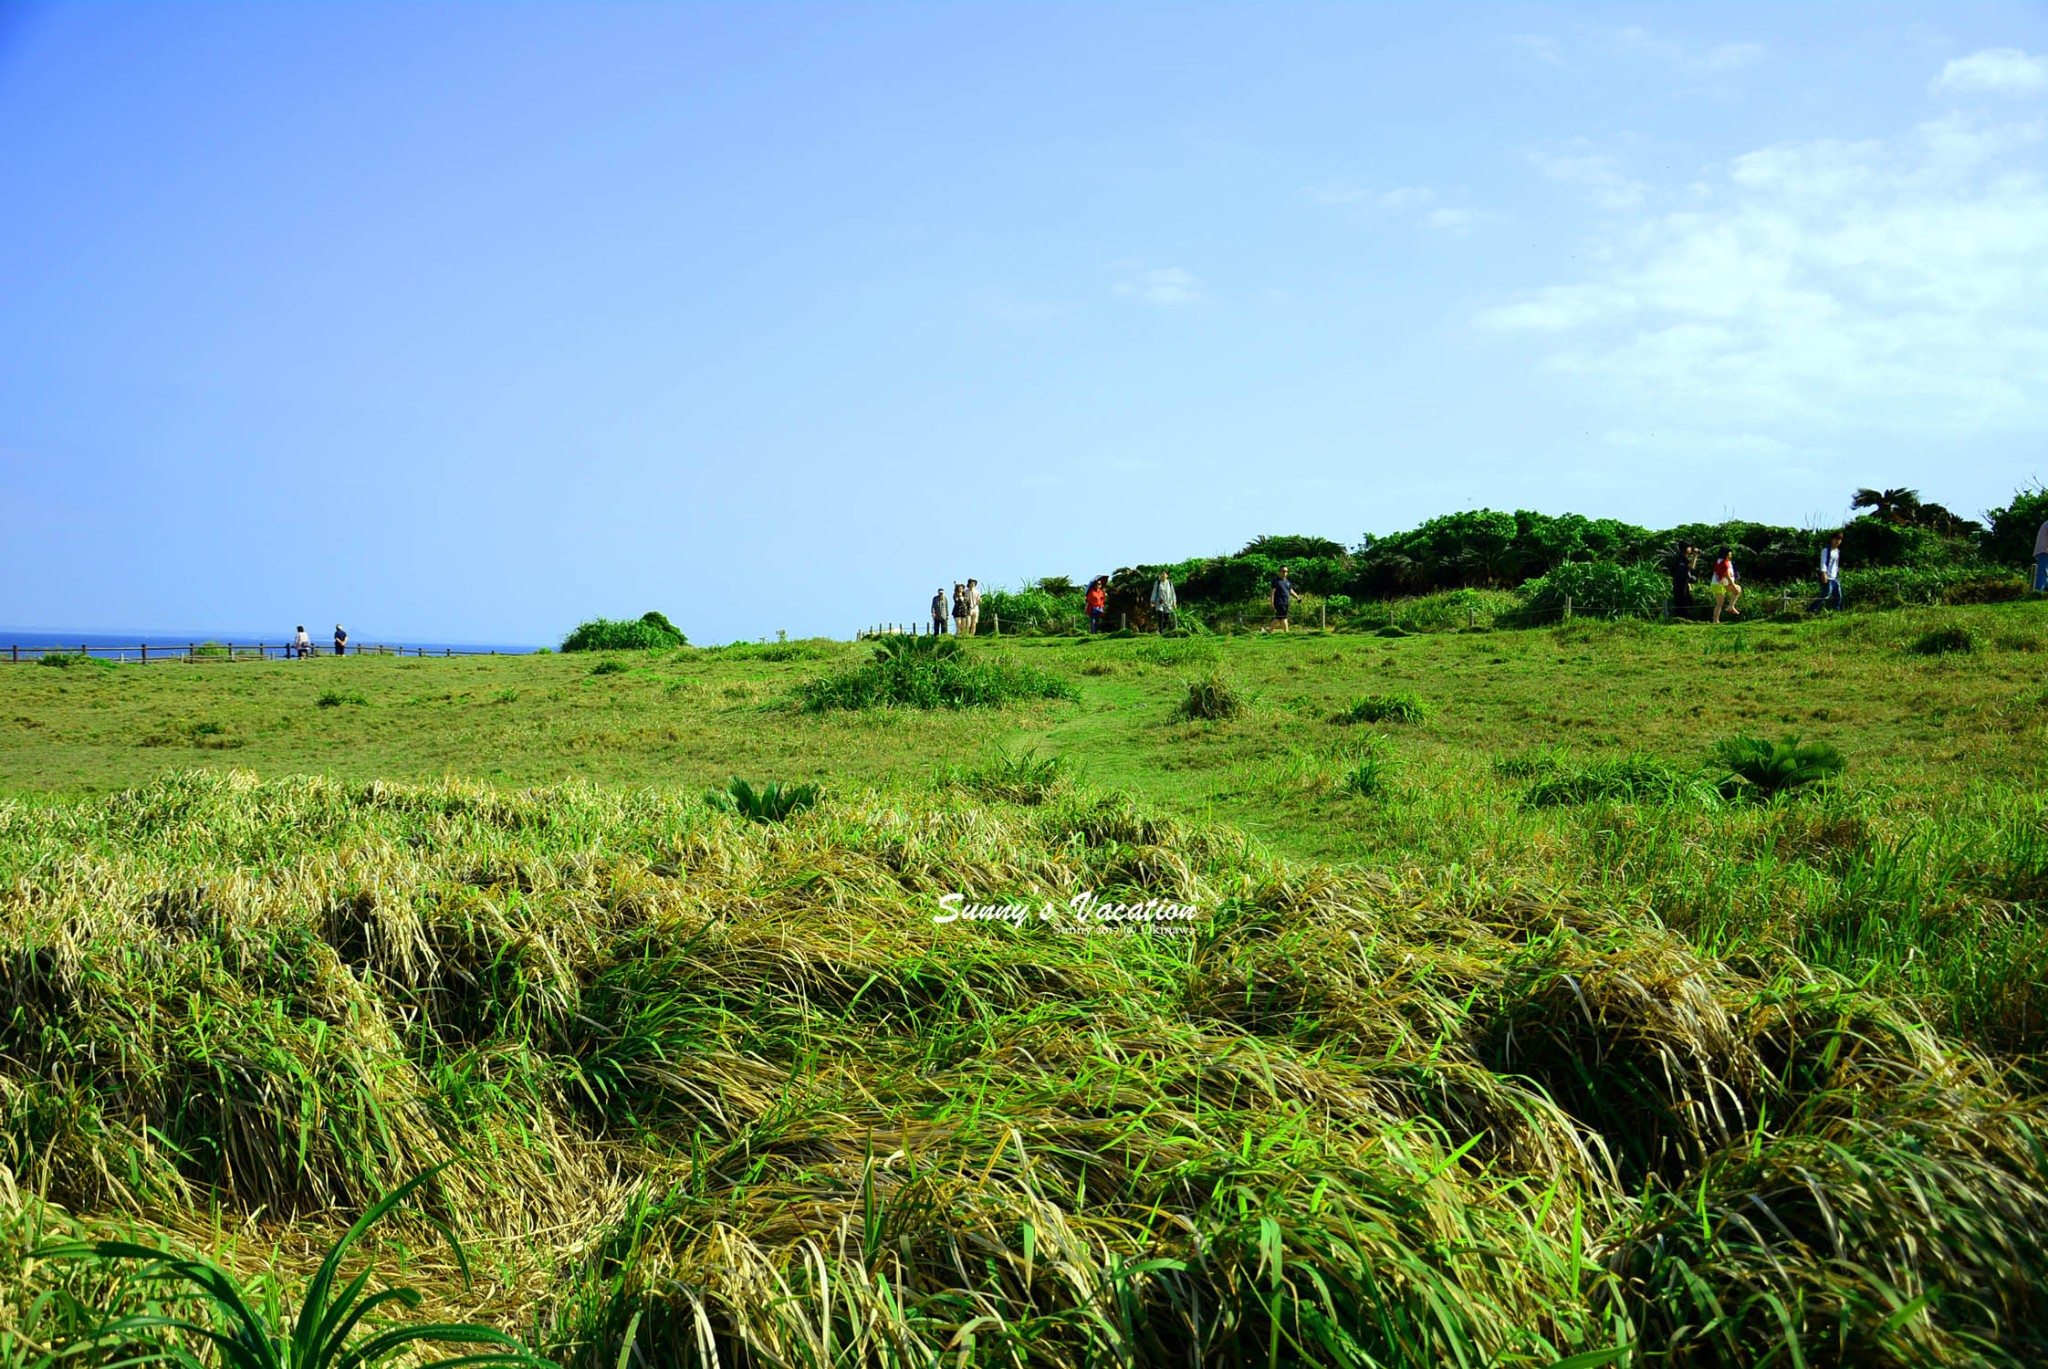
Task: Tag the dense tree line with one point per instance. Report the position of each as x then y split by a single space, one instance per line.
1489 549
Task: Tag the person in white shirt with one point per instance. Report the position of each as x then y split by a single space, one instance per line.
1830 575
2041 559
1163 602
973 606
303 643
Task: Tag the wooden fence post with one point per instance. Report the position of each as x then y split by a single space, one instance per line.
999 623
1323 617
191 652
1567 608
14 652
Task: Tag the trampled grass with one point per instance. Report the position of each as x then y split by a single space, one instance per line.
1439 1075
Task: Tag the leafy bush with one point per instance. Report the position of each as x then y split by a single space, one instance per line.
1943 641
1454 609
1393 630
649 632
58 661
245 1332
1032 609
334 698
930 672
1597 589
610 665
1769 768
1401 707
772 802
2010 538
1211 698
1626 779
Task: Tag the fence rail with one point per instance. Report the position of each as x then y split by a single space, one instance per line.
199 653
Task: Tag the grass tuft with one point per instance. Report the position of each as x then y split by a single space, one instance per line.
1943 641
1399 707
1212 698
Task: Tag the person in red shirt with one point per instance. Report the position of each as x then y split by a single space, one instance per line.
1098 602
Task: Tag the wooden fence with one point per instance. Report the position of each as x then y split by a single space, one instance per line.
201 652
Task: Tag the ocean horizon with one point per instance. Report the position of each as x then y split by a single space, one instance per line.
126 645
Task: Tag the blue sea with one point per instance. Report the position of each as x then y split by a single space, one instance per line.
126 646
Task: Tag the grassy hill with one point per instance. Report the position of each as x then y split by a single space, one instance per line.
1506 1028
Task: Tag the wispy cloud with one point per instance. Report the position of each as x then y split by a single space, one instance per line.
1167 285
1823 281
1994 71
1420 202
1540 46
1597 174
1689 59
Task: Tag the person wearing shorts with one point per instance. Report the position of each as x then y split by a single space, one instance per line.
1727 592
1284 595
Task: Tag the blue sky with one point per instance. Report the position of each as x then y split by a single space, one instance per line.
471 321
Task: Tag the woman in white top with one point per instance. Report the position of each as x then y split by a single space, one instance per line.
303 643
1830 575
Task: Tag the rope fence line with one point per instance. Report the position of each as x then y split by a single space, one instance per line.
199 653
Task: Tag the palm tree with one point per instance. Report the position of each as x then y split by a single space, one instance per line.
1888 506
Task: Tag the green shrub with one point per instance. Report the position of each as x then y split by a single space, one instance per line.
1400 707
772 802
1943 641
58 661
610 665
649 632
1393 630
1597 589
1626 779
930 672
1766 769
334 698
1453 609
1211 698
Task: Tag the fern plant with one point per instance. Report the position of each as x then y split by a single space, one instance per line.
245 1336
1770 768
905 647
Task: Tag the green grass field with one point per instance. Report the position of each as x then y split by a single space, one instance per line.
1504 1032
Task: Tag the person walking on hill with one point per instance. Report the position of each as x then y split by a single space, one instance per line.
1727 593
1684 572
302 643
1284 595
2041 559
938 613
1830 575
1097 601
959 609
973 606
340 641
1163 604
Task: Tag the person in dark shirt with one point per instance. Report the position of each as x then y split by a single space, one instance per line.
938 612
1682 577
1284 595
340 641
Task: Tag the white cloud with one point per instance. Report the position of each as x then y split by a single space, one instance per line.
1692 61
1995 71
1421 201
1899 280
1598 175
1540 46
1167 285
